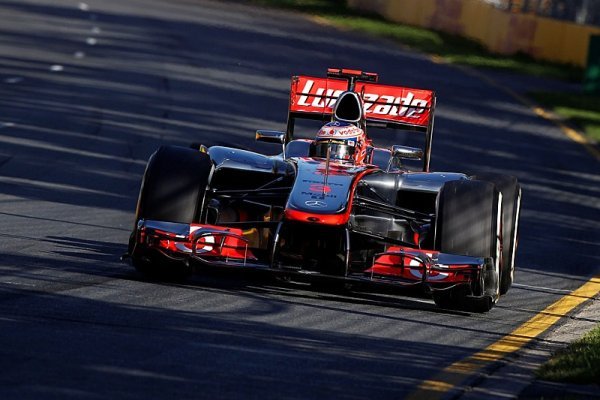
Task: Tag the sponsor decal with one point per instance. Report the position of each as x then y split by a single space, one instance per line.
315 203
311 181
323 97
407 106
346 131
438 276
319 188
395 106
204 243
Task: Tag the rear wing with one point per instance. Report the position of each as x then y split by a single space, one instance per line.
385 106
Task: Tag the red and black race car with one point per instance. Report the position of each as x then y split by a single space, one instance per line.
335 207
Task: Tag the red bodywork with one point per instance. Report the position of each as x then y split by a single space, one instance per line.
228 246
208 241
415 264
333 218
400 105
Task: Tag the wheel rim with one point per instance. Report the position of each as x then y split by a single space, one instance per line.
515 237
498 256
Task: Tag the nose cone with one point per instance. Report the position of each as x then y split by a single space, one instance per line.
317 198
348 108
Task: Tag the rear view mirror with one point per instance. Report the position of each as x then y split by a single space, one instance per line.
407 153
270 136
400 153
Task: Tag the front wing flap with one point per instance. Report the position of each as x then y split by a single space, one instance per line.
439 271
212 245
204 243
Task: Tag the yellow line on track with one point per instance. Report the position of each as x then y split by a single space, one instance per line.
464 370
452 376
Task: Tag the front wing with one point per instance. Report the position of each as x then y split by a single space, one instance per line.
218 246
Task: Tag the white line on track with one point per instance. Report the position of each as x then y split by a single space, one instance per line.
84 7
522 286
18 283
79 54
56 68
13 79
38 184
91 41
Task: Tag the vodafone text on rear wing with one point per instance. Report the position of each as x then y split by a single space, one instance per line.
385 106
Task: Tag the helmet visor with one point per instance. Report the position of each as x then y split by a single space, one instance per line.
339 150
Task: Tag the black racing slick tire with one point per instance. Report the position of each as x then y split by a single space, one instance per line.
174 184
172 190
511 207
468 223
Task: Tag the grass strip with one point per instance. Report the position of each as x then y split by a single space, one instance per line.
578 363
582 110
454 49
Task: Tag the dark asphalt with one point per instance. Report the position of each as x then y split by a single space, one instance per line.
89 90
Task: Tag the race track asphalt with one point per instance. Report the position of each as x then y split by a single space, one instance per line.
89 90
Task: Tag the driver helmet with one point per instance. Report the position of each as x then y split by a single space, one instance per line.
346 142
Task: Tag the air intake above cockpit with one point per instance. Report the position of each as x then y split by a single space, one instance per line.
348 108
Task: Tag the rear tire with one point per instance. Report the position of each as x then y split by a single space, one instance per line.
511 205
468 223
172 190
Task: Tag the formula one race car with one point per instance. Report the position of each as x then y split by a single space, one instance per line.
335 208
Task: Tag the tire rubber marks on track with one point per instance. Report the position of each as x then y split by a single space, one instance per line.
465 371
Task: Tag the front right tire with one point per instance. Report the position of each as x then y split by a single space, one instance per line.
511 207
468 223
